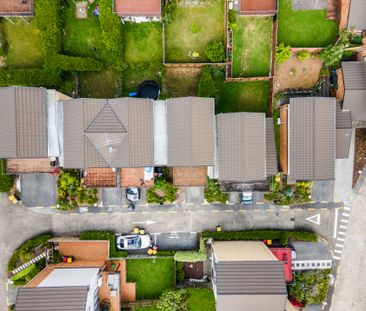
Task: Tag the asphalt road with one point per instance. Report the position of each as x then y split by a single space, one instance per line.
170 226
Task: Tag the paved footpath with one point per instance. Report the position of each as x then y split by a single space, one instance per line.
350 292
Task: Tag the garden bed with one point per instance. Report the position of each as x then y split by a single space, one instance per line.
193 270
252 46
181 81
304 28
360 154
152 276
103 84
191 28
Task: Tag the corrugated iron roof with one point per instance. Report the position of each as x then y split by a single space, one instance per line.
271 153
312 138
357 15
190 124
52 298
343 131
250 277
241 146
23 122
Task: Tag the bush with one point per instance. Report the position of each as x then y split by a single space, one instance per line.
213 192
283 53
162 192
302 55
105 236
112 34
73 63
3 41
29 77
195 28
6 181
179 272
233 15
193 256
206 86
27 247
173 300
310 287
215 52
280 235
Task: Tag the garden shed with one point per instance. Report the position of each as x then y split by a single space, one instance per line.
16 8
258 7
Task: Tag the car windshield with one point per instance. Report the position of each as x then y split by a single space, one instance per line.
134 242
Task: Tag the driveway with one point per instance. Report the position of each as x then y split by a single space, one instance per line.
38 189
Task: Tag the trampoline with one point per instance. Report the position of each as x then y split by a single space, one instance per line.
148 89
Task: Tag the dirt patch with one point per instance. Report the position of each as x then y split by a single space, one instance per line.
360 154
193 270
181 81
295 74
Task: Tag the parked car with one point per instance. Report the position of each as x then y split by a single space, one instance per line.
133 194
133 241
246 197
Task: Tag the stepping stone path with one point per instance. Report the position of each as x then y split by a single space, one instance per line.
27 264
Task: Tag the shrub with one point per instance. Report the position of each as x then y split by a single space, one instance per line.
332 54
6 181
192 256
29 77
111 28
104 236
24 272
195 28
3 41
283 53
213 192
215 52
310 287
233 15
173 300
73 63
206 86
162 192
179 271
302 55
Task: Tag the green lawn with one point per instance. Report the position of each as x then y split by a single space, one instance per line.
191 29
304 28
82 37
24 44
243 96
143 43
180 82
103 84
252 46
134 76
152 276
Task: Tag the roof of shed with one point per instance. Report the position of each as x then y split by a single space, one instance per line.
343 131
16 8
137 7
357 15
23 122
190 127
52 298
312 140
108 133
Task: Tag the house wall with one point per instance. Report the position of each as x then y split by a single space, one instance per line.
92 298
284 139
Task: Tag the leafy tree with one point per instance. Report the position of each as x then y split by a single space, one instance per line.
215 52
283 53
332 54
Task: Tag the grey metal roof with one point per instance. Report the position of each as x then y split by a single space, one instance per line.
250 277
354 78
190 125
311 251
357 15
23 122
241 146
271 153
51 298
108 133
343 131
312 140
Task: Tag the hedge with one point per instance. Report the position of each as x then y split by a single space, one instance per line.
73 63
112 34
26 249
105 235
6 181
206 86
282 236
193 256
30 77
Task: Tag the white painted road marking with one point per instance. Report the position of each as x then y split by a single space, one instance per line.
347 208
345 221
314 219
336 257
341 233
335 223
338 251
343 227
339 245
345 214
340 239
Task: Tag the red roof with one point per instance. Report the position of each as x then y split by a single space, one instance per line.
137 7
284 254
16 7
258 6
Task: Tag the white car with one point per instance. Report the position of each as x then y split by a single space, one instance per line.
133 241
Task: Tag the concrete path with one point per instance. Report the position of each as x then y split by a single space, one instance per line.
349 293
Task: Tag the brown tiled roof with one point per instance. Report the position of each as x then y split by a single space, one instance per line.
354 79
190 176
241 146
100 177
190 125
137 7
16 7
23 122
108 133
312 140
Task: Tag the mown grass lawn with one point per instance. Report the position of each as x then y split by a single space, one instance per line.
82 37
192 28
252 46
305 28
243 96
143 43
152 276
103 84
24 44
180 82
